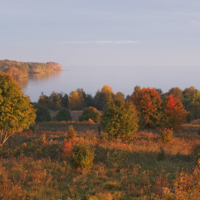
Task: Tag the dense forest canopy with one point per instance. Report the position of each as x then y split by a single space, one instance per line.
22 69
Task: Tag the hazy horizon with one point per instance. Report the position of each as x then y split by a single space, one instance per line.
121 79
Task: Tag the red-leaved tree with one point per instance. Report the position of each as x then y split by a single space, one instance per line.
149 104
174 113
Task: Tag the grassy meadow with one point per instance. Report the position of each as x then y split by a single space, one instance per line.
32 165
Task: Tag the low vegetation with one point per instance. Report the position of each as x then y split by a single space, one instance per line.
90 113
38 165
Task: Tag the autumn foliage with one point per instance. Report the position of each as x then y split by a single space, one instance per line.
16 112
174 113
169 113
149 104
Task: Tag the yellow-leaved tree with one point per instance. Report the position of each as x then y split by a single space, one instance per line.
16 112
76 100
106 88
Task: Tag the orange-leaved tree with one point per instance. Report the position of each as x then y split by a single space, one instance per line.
174 113
16 112
149 105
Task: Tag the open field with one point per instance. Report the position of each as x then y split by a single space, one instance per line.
32 168
75 114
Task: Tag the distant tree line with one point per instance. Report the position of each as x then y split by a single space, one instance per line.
78 99
22 69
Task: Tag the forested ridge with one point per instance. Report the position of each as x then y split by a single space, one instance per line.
22 69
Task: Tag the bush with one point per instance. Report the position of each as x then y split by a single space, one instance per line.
63 115
71 134
120 120
167 135
90 113
42 113
82 156
66 148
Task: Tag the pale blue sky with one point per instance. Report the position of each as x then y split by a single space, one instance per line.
101 32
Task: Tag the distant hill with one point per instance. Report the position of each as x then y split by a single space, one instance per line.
23 69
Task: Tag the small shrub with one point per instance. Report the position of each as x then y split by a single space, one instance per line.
120 120
90 113
167 135
71 134
66 148
161 154
63 115
82 156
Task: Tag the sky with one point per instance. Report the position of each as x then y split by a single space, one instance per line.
163 33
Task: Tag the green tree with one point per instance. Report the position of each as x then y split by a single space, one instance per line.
64 100
176 92
120 120
63 115
196 99
189 92
16 112
42 113
90 113
89 100
149 105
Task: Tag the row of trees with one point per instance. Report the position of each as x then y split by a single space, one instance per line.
78 99
22 69
154 110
